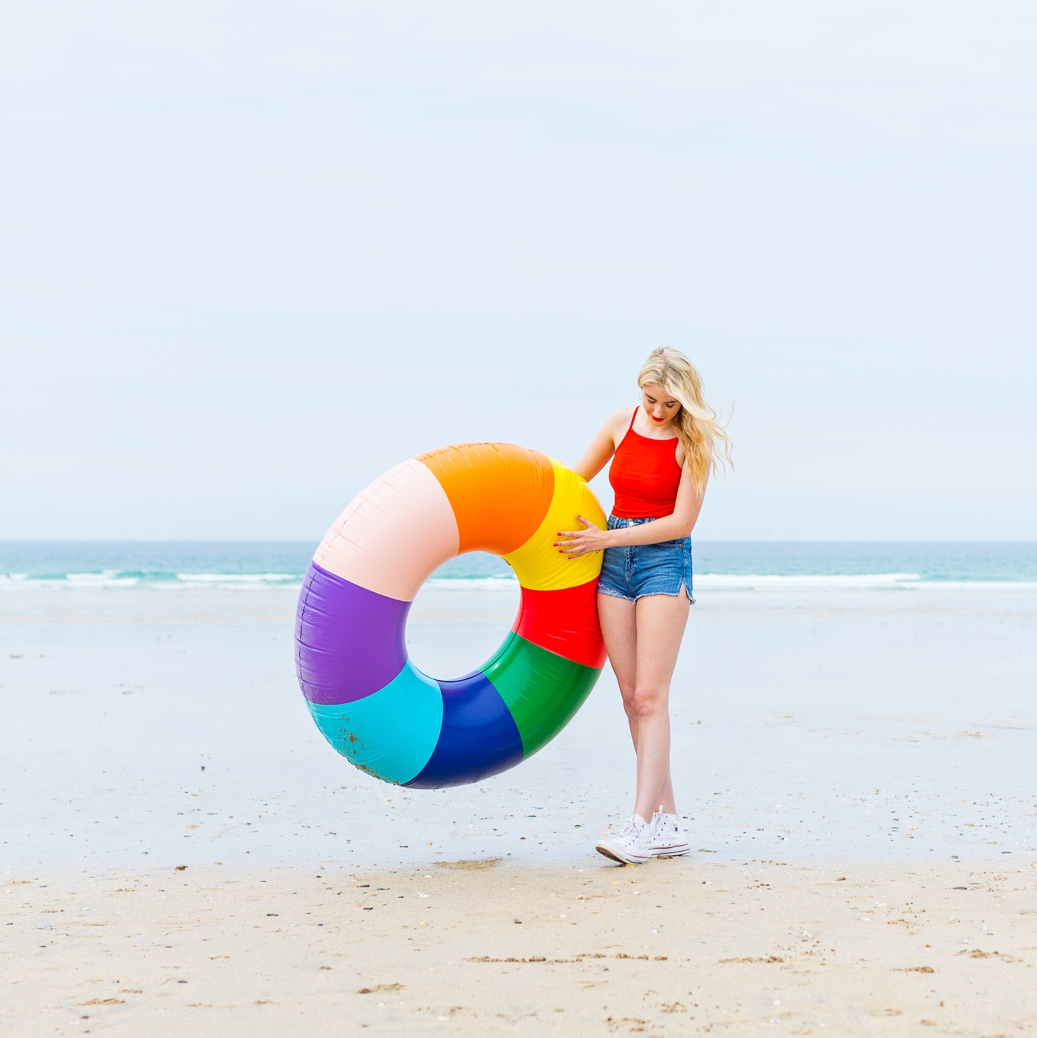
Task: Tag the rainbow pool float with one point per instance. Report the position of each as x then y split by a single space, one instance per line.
367 698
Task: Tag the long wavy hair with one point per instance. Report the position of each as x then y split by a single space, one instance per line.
702 434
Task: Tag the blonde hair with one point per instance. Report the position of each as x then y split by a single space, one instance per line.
699 429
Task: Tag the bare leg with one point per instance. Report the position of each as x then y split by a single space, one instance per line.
619 628
661 620
643 640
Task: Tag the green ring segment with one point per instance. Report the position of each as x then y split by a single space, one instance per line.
541 689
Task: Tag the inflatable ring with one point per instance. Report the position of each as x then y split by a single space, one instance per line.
367 698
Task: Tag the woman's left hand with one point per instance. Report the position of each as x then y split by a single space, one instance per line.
582 542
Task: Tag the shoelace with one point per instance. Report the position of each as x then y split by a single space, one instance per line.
630 830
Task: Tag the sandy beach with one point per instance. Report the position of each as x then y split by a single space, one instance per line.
855 768
450 281
677 947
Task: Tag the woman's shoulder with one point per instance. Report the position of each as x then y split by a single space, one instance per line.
623 417
618 422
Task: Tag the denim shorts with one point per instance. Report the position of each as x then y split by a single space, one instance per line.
645 569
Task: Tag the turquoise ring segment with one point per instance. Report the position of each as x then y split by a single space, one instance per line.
391 733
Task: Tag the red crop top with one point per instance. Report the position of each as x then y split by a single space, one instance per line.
645 476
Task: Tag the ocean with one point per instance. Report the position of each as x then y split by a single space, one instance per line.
719 565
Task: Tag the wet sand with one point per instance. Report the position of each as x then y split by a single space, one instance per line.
674 947
149 726
887 737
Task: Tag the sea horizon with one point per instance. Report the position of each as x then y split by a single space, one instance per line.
718 565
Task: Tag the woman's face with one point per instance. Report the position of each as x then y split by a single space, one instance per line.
660 407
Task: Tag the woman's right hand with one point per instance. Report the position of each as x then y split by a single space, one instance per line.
582 542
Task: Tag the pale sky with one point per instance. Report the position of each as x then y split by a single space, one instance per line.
253 254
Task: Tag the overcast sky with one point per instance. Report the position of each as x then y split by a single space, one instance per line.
253 254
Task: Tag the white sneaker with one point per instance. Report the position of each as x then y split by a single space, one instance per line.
630 847
665 837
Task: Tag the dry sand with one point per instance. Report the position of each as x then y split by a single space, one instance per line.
884 737
478 948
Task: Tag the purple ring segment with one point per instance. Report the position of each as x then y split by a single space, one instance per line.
349 642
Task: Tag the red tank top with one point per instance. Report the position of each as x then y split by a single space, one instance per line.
645 476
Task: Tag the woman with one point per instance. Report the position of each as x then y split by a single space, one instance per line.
663 452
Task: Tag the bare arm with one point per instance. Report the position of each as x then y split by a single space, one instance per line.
680 524
575 543
603 446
